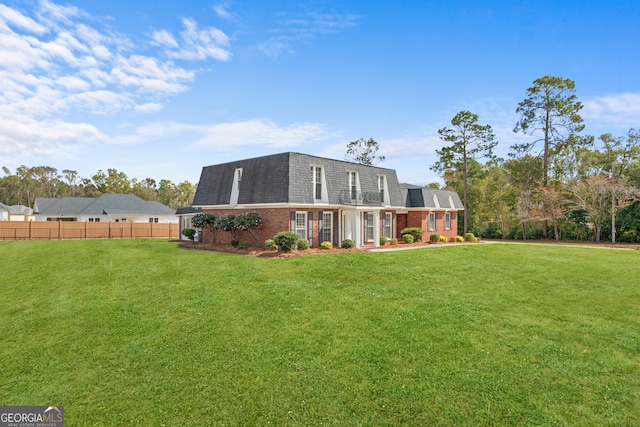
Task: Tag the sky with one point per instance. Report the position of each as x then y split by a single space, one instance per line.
158 89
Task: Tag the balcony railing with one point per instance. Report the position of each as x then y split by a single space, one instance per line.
357 198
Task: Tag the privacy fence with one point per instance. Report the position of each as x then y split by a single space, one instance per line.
54 230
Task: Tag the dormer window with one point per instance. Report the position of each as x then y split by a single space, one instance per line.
353 184
316 179
381 187
235 187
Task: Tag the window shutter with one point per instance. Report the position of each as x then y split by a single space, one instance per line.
310 228
292 222
320 226
336 230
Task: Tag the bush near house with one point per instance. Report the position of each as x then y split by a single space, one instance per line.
434 238
326 245
348 243
189 233
286 241
414 231
408 238
302 244
270 244
383 241
469 237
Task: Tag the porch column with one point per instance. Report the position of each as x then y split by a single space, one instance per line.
376 229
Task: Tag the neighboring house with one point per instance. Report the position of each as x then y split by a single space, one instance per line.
322 199
105 208
15 213
185 214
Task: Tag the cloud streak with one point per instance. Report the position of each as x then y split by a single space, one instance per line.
620 110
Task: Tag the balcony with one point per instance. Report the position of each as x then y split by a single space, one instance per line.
357 198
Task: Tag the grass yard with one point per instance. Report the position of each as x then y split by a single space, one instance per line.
139 332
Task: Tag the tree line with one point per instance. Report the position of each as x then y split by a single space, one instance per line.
559 184
24 185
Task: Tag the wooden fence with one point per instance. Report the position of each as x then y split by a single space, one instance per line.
54 230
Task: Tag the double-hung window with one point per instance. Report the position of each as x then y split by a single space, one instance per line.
327 223
316 178
386 225
433 221
447 221
353 187
368 226
301 225
381 187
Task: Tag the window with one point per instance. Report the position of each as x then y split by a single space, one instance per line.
153 219
368 226
316 176
386 225
433 221
301 225
353 179
447 221
381 187
94 219
327 223
235 187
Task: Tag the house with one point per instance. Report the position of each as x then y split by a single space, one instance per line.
185 214
322 199
15 213
105 208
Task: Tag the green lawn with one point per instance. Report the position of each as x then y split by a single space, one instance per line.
139 332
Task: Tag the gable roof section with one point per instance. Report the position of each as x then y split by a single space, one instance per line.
286 178
109 204
423 197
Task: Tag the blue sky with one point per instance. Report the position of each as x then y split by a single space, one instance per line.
158 89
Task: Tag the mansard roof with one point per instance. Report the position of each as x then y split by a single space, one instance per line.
285 178
110 204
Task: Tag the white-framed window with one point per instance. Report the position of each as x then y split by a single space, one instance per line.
316 179
235 187
433 221
301 225
387 221
353 184
381 187
327 227
153 219
368 226
447 221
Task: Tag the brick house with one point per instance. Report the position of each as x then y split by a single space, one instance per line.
322 199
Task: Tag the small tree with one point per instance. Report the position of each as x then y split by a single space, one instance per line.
205 221
249 221
227 223
364 152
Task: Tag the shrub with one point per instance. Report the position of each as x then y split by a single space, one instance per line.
205 220
435 237
383 241
235 243
443 239
414 231
227 223
286 240
243 245
326 245
394 241
270 244
408 238
302 244
248 221
189 233
348 243
459 239
469 237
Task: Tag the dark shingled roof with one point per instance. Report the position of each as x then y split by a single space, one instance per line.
423 197
285 178
114 204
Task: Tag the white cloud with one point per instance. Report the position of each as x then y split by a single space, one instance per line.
13 17
261 132
26 137
149 107
620 110
222 10
195 43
